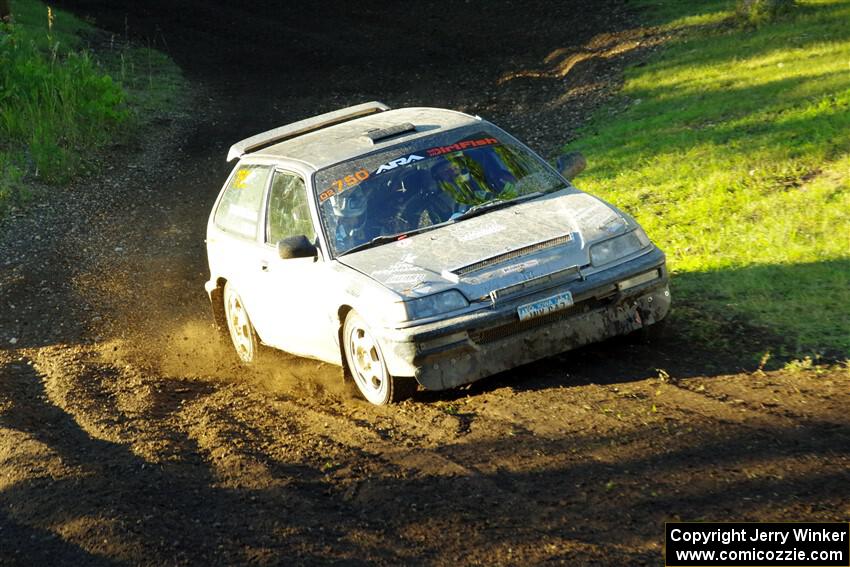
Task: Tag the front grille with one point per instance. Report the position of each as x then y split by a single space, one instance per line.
508 330
554 278
512 254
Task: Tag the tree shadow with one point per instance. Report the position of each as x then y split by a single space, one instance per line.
603 499
702 118
584 496
791 310
24 545
782 34
147 512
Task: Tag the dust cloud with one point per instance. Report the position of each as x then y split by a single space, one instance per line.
167 331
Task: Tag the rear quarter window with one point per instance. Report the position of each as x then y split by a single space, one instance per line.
239 209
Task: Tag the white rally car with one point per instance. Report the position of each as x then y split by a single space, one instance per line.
419 246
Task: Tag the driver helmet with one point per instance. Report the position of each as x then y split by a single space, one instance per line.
349 205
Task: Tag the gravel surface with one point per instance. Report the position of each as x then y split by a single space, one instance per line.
128 436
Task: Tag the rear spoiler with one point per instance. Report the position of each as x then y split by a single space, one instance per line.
301 127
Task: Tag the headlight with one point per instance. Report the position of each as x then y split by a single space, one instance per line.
431 305
618 247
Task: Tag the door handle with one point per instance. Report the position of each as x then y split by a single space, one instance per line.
264 266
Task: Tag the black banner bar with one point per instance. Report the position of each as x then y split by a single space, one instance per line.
739 544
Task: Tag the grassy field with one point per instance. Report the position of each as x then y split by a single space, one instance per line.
59 104
732 148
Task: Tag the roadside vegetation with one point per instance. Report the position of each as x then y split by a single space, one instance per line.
732 148
59 103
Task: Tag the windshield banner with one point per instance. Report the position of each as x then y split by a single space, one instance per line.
349 181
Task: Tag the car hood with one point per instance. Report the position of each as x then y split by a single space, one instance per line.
494 250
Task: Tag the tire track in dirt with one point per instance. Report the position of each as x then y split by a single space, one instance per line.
412 455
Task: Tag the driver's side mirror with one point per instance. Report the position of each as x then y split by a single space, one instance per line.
571 164
296 247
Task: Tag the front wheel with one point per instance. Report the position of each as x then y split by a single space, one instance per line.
366 363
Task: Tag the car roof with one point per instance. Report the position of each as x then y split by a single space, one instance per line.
339 142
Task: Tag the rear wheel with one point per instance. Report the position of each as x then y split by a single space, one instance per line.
242 332
367 366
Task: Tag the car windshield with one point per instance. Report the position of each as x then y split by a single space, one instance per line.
423 183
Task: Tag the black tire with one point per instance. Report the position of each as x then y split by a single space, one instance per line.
366 363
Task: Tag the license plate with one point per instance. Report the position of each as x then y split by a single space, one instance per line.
545 306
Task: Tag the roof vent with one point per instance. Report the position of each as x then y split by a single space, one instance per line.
381 134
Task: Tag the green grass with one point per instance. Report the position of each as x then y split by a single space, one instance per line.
59 104
733 151
66 30
152 82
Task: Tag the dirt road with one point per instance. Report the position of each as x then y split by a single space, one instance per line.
127 436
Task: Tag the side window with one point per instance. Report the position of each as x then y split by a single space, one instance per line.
289 213
239 209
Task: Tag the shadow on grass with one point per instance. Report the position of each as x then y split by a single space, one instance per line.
825 21
792 310
746 119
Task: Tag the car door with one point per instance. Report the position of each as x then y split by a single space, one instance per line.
234 246
295 316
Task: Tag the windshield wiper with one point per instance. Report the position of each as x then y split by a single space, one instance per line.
493 204
382 239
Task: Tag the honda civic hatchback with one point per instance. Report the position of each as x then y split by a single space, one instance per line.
419 247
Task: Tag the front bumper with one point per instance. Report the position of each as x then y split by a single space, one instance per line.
463 349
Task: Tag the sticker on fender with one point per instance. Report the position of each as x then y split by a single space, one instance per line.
545 306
